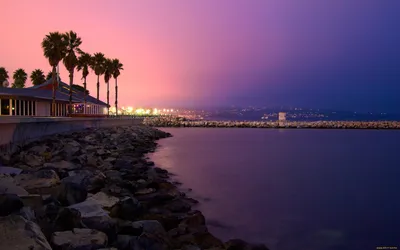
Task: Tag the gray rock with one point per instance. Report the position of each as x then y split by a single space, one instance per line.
236 244
105 200
33 160
61 165
104 224
9 186
93 180
79 238
40 182
142 242
19 234
66 219
10 203
71 193
10 170
89 208
39 149
127 209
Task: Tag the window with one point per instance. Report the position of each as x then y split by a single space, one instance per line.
5 107
34 107
13 105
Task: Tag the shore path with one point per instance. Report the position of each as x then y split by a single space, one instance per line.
96 189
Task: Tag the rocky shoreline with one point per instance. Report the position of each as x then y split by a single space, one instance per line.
96 190
168 121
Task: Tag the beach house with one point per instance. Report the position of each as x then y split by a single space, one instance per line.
37 101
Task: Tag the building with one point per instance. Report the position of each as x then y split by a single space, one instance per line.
37 101
282 116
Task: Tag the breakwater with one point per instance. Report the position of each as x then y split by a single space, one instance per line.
95 189
180 122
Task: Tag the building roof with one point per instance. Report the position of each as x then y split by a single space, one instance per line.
62 93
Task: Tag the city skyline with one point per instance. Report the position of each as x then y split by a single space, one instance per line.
336 55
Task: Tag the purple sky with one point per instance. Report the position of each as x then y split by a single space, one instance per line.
342 54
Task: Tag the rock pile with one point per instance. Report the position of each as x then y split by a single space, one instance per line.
95 190
170 121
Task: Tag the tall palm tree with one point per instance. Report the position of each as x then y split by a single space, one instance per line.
37 77
54 49
108 71
84 62
98 68
3 77
117 67
19 77
71 60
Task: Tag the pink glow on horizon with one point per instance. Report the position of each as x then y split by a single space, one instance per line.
169 50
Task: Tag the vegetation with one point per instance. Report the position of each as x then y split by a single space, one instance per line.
55 47
49 75
108 70
71 60
19 77
84 62
37 77
117 67
98 68
80 88
3 77
65 47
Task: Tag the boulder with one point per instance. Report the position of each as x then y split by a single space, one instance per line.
10 170
32 200
20 234
194 219
71 193
127 208
92 179
61 165
10 203
178 206
67 219
9 186
236 244
142 242
89 208
39 149
103 224
105 200
40 182
33 160
79 238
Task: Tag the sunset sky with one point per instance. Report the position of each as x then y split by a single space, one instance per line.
342 54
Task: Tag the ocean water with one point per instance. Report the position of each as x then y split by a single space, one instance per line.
292 189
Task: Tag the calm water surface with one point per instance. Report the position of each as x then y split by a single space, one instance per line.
292 189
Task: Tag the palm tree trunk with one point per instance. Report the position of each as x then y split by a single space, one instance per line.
108 98
98 86
71 79
53 103
116 97
84 95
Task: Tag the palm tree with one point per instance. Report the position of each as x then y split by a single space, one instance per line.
84 62
19 77
54 49
117 67
70 60
49 76
37 77
98 68
3 77
108 71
